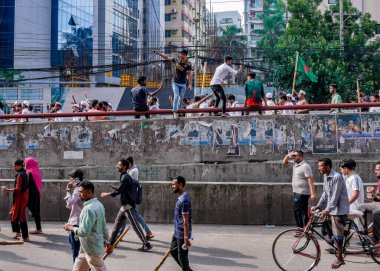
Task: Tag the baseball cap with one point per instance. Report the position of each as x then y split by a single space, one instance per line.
289 95
26 103
76 173
269 95
302 92
183 51
76 105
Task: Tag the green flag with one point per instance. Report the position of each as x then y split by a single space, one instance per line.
304 69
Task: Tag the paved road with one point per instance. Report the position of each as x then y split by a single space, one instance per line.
222 248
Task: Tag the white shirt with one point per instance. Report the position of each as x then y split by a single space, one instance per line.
1 113
355 183
154 107
374 109
270 103
220 73
25 111
235 113
58 118
133 172
288 111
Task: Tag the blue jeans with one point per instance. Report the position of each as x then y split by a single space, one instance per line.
141 221
75 245
179 92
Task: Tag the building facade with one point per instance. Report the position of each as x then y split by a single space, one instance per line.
252 10
228 18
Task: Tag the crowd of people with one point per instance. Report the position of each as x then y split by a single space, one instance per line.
343 195
143 100
87 230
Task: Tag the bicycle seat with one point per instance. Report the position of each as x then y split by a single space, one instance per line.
354 214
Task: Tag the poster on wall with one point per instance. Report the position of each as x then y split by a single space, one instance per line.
324 134
370 125
349 126
233 147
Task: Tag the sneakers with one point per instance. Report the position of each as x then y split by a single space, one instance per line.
146 247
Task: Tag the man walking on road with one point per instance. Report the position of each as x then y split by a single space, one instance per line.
182 225
216 82
128 205
92 231
335 98
334 203
303 187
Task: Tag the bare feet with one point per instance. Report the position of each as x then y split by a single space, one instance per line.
17 235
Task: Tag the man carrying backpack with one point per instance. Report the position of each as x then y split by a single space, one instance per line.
130 195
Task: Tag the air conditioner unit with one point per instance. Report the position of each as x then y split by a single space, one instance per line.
174 10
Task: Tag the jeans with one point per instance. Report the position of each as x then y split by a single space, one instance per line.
141 220
179 92
75 246
120 221
300 206
179 255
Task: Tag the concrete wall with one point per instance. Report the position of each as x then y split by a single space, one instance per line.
233 165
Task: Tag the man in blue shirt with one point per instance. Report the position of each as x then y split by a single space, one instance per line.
182 224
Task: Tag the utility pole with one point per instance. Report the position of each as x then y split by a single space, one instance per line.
341 24
196 19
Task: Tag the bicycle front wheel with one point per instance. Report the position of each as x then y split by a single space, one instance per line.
292 253
376 255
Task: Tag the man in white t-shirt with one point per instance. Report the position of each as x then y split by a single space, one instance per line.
25 109
355 188
231 102
216 82
270 102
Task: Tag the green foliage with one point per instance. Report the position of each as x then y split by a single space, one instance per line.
315 35
11 75
234 42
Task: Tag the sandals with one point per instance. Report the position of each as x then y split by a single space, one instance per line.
17 235
36 232
337 263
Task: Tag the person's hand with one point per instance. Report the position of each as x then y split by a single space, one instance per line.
326 213
102 195
109 249
70 185
191 87
161 85
313 197
155 51
187 242
113 187
68 227
170 98
4 188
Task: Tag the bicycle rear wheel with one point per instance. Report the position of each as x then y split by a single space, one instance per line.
376 255
295 253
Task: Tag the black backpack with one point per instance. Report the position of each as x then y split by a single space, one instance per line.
136 192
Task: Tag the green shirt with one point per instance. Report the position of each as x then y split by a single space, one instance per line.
92 231
336 99
254 89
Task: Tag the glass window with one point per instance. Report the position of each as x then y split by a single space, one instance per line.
168 2
377 29
32 94
8 94
331 2
168 33
168 17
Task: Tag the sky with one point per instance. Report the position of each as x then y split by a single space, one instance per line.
226 5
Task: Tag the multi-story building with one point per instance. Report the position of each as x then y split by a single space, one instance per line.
185 27
366 6
87 40
252 9
227 18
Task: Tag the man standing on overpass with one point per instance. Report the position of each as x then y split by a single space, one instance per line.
303 186
216 82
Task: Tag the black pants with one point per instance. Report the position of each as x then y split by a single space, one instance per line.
300 209
18 226
34 207
179 255
219 94
133 221
146 116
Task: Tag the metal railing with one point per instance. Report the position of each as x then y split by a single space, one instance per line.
195 110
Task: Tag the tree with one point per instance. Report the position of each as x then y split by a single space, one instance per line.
10 76
315 35
233 41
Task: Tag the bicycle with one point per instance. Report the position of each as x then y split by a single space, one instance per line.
299 249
